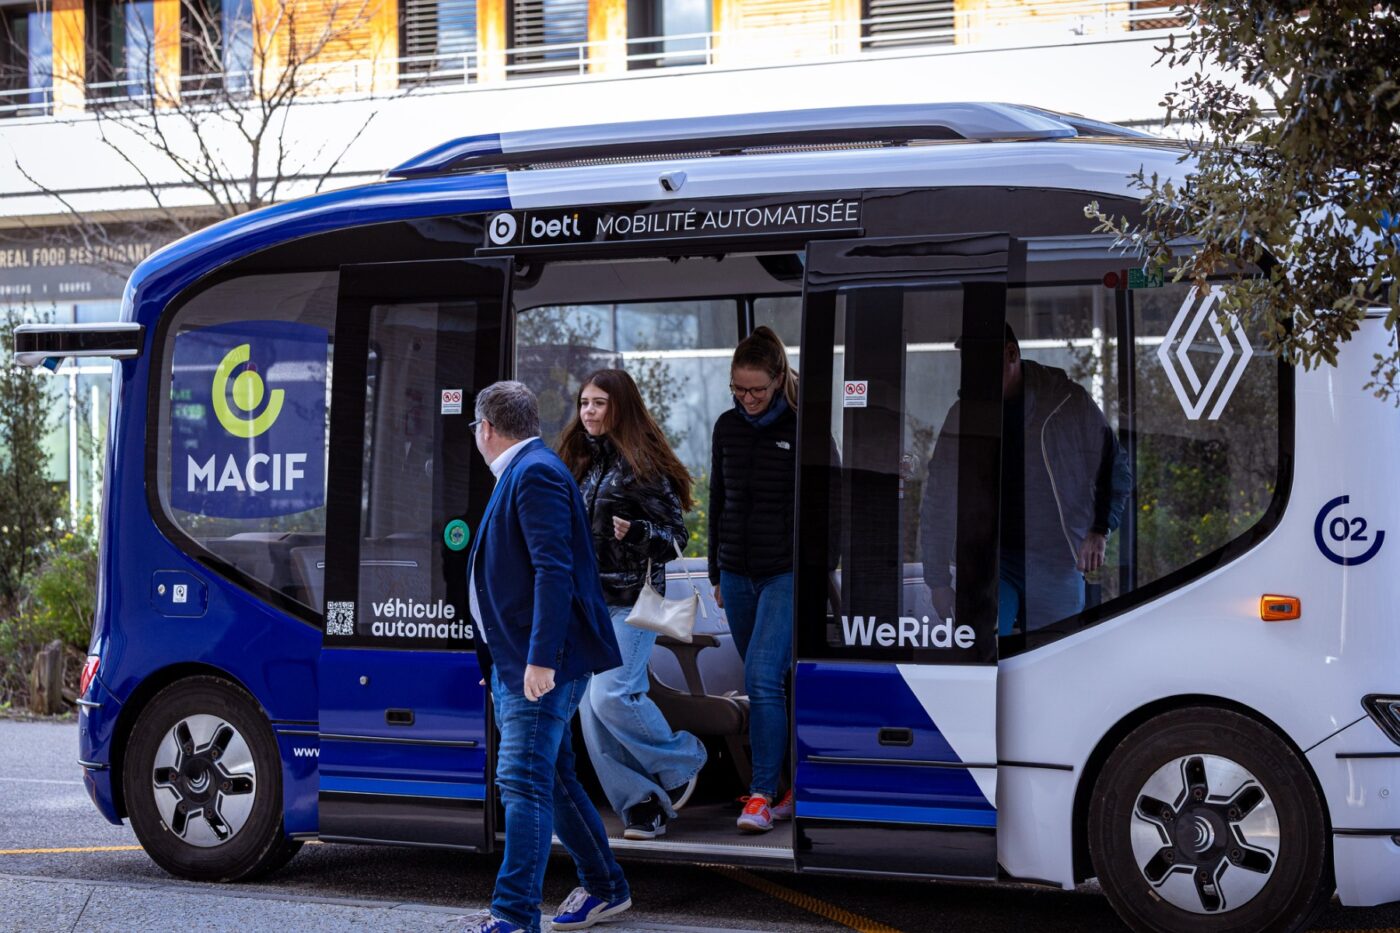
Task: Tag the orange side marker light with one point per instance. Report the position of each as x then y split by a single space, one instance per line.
1280 608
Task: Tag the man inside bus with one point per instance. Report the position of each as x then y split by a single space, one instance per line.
535 595
1065 481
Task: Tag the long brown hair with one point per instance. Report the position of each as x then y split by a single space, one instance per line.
764 350
633 432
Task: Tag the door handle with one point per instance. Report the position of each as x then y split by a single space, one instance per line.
398 717
901 737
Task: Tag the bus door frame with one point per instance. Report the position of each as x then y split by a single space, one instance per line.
894 749
390 772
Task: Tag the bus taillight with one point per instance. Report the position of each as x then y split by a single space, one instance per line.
89 672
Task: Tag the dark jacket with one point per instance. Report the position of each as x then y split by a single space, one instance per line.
752 471
1067 437
536 577
611 489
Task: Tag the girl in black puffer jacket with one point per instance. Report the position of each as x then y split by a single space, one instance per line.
635 490
754 465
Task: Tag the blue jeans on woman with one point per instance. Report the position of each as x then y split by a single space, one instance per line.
630 743
759 610
535 772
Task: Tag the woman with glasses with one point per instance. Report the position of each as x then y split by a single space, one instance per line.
635 489
752 474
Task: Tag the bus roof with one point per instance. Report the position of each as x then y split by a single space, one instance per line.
730 134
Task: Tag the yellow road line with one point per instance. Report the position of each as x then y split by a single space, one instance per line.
805 901
70 849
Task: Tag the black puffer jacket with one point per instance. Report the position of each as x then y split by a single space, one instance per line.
751 495
610 488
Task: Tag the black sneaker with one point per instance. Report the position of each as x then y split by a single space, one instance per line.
645 821
680 795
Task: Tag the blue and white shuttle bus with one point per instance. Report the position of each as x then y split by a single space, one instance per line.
282 649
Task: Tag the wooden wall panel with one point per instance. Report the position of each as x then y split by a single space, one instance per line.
69 55
1018 20
769 30
491 40
607 36
165 51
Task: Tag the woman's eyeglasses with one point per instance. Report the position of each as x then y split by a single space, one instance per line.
757 392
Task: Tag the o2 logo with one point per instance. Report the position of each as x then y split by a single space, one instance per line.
501 229
1338 532
247 395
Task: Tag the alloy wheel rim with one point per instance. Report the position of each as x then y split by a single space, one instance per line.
1205 834
204 780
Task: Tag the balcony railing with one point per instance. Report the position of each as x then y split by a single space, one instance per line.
1029 25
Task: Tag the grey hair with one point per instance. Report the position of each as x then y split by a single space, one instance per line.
511 408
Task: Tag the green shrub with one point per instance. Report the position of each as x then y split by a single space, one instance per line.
57 601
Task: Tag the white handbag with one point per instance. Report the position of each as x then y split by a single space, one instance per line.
673 617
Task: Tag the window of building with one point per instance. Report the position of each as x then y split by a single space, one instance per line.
121 48
243 427
26 60
216 44
895 23
438 37
680 28
548 36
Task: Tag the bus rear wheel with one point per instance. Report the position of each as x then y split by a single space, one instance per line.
1205 821
203 784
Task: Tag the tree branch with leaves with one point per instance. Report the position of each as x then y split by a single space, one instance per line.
1291 172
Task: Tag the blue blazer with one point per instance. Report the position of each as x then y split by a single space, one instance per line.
537 583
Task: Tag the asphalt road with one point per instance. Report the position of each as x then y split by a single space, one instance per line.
111 885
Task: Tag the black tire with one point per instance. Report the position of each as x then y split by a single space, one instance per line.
1299 872
257 844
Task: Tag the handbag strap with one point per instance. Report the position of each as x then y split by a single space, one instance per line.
693 588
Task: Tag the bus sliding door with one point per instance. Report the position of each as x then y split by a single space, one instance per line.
896 591
403 721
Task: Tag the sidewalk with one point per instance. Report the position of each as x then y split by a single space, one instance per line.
34 904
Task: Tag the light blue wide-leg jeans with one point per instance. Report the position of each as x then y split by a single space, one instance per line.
633 748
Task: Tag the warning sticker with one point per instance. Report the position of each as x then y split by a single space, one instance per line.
451 401
855 393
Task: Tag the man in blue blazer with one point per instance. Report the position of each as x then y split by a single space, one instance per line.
538 604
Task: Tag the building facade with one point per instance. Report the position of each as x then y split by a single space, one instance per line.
125 124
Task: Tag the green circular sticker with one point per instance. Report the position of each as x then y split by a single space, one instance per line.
456 534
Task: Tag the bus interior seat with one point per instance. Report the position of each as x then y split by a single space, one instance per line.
265 556
388 567
698 690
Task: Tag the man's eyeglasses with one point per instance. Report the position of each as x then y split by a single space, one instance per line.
757 392
475 424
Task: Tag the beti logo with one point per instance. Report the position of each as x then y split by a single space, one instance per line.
248 391
501 229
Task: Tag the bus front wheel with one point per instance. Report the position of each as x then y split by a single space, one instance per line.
203 784
1204 820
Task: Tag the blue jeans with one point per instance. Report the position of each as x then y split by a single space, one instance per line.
632 746
759 610
535 772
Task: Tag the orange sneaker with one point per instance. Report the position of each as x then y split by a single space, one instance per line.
756 818
783 809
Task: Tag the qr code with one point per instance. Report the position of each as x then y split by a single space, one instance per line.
340 618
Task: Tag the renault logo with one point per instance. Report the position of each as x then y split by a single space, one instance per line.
1194 395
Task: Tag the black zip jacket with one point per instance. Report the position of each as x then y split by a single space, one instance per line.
610 488
752 471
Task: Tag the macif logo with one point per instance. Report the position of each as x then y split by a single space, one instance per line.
247 395
263 451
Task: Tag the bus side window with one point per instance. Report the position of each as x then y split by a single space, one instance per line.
1163 446
243 428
